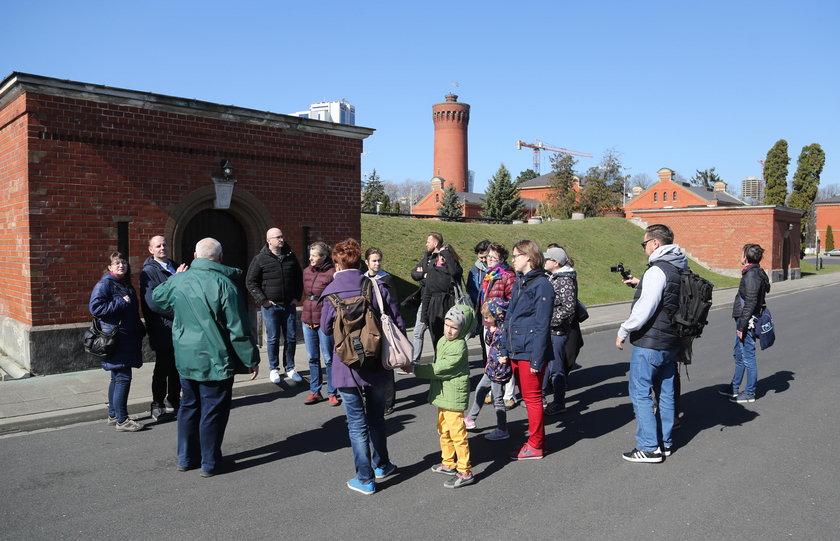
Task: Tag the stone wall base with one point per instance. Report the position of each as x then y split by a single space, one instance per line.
50 349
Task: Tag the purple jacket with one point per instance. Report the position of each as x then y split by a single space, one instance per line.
315 279
346 284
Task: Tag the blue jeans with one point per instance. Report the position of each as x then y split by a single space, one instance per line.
277 319
556 372
652 371
366 427
744 353
419 331
318 343
202 419
118 394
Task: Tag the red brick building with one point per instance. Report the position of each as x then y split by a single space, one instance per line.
668 193
87 169
471 202
828 213
714 236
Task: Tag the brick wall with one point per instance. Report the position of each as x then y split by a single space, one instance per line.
93 163
715 236
828 215
15 290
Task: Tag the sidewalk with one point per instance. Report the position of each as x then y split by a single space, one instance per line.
62 399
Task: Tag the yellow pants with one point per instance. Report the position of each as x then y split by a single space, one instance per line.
453 440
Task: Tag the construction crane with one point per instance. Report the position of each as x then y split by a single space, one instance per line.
538 145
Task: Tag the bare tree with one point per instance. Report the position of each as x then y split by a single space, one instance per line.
828 191
642 180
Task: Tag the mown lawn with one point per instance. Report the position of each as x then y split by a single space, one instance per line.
595 244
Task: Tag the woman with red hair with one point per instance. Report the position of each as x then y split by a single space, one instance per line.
363 391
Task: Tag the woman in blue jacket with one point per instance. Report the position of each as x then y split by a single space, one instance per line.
114 302
526 342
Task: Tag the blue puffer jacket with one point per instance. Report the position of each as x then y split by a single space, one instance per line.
107 303
528 320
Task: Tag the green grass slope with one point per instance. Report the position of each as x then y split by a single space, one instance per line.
595 244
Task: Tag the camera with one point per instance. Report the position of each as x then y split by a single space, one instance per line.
625 273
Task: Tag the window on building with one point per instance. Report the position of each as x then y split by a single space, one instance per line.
675 196
664 196
437 198
655 197
122 238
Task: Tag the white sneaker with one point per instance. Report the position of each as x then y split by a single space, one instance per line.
293 375
274 376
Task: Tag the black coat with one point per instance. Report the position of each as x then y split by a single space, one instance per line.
275 278
158 320
751 292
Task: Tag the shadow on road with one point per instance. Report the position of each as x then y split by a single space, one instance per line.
705 409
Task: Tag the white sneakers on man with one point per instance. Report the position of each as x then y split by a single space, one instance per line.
294 376
274 376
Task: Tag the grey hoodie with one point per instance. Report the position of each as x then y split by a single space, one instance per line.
654 285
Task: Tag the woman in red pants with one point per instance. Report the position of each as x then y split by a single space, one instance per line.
527 339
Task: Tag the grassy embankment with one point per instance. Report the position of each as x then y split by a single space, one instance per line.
595 244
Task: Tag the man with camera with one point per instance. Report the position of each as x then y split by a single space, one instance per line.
655 344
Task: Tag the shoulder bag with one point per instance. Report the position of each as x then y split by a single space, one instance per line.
99 343
397 349
763 329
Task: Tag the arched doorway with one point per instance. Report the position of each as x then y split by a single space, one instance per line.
785 255
225 228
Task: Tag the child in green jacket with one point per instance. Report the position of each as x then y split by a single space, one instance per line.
449 390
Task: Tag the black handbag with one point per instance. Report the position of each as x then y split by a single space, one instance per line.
99 343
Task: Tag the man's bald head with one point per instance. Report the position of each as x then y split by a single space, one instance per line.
158 248
274 239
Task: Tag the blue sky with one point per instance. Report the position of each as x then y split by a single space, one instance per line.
685 85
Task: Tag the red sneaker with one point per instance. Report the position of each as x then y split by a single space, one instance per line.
313 398
334 401
526 453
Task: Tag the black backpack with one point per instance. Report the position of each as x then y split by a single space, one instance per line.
695 301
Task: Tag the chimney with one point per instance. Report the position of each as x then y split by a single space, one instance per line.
720 186
665 175
636 190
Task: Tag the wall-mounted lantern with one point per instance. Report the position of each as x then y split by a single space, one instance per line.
223 180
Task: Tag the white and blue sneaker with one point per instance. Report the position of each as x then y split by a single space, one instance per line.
365 488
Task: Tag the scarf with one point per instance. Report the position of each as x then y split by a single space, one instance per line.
492 275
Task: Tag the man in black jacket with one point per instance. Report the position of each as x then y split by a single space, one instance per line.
275 281
166 384
433 244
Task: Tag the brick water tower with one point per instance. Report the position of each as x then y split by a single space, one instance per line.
451 120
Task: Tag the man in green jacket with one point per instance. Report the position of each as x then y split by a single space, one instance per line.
212 341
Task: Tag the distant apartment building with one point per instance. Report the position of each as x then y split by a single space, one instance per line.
339 112
752 188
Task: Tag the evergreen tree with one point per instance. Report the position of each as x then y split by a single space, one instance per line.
562 198
372 192
386 203
396 207
527 174
829 239
806 180
775 174
450 206
501 199
603 185
705 178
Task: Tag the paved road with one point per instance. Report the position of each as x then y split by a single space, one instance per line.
761 471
